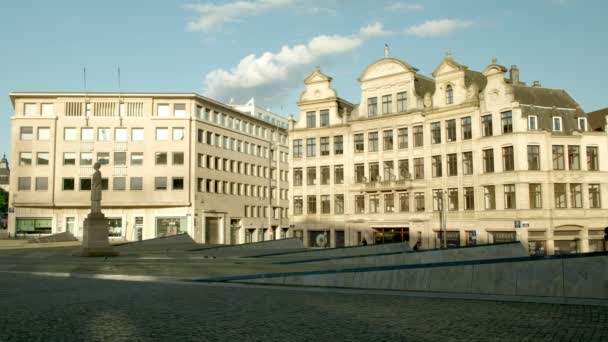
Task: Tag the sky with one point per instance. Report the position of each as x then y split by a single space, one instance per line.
236 49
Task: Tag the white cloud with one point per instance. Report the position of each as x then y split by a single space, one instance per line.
272 75
435 28
403 7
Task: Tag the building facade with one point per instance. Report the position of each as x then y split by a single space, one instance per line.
5 174
263 114
171 163
510 161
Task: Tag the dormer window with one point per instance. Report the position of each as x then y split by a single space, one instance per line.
557 124
582 124
532 123
372 107
449 94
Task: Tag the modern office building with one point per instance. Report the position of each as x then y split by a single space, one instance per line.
171 163
263 114
510 161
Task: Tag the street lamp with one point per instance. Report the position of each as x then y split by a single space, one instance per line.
443 219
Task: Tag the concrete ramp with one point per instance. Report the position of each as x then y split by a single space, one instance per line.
173 242
328 253
59 237
252 249
479 252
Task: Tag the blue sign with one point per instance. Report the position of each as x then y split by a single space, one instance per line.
473 233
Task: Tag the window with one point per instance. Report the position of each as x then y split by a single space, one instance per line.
338 174
557 124
435 133
325 204
69 134
402 138
44 133
24 184
120 158
509 196
160 183
69 158
178 134
387 104
467 163
486 126
311 118
42 184
372 107
389 203
488 160
374 203
450 130
137 158
178 158
532 123
453 199
359 173
404 202
581 124
162 110
372 141
387 140
297 205
86 158
536 198
48 109
137 134
25 158
162 134
312 205
437 199
297 148
559 191
324 146
592 164
26 133
359 204
419 201
30 109
489 197
325 175
469 198
103 158
594 196
85 184
87 134
404 169
465 125
136 183
119 183
121 134
297 176
339 204
359 144
452 164
311 146
574 157
311 175
533 157
576 195
68 184
418 136
506 119
324 117
389 170
104 134
42 158
508 160
437 167
449 94
179 110
419 168
402 102
161 158
177 183
558 157
338 145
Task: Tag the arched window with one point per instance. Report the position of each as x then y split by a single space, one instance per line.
449 94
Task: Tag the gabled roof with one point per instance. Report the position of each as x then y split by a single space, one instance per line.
317 76
597 119
544 97
423 85
388 60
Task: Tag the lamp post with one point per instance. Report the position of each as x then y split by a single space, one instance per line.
443 219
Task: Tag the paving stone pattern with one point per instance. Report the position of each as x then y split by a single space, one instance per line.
36 308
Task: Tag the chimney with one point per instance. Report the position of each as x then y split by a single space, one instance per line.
514 75
536 84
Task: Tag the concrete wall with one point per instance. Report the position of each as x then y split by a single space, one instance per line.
251 249
341 252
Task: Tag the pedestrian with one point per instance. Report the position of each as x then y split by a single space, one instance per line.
417 245
364 242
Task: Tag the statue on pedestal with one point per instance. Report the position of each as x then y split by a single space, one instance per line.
96 188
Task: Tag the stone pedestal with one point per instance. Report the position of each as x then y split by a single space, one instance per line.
95 237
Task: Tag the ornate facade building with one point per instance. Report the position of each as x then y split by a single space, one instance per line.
510 161
5 174
172 163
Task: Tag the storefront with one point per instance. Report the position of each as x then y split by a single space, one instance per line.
115 227
168 226
502 237
452 239
391 234
318 238
30 226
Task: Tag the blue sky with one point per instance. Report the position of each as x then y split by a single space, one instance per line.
238 49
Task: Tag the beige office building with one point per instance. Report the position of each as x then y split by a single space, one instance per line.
511 161
172 163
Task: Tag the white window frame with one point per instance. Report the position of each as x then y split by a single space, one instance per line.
165 134
31 109
561 126
163 110
47 109
121 134
137 134
179 134
87 137
70 137
44 133
582 127
535 120
104 134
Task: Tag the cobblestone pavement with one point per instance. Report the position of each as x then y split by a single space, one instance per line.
36 308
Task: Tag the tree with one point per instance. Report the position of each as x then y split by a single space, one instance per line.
3 202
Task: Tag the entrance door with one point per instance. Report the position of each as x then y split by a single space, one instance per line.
212 230
339 238
235 226
139 228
